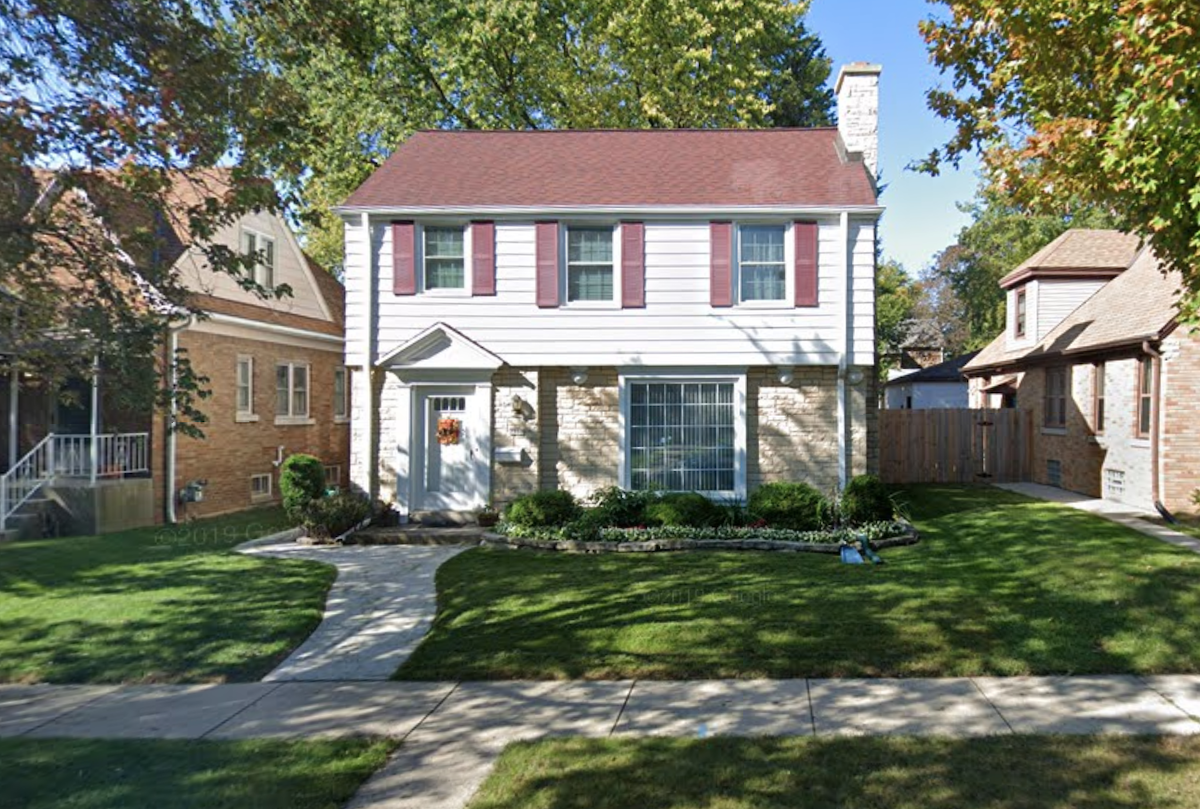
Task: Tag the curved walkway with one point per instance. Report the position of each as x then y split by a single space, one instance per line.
379 608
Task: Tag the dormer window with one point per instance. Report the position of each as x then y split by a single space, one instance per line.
262 247
1022 311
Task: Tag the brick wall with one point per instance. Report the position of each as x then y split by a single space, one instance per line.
232 451
1180 447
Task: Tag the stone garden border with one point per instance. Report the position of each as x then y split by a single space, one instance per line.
910 537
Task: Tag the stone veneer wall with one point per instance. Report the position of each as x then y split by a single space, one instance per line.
580 431
792 429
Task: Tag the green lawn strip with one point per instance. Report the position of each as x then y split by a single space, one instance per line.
1010 772
132 774
155 605
1000 584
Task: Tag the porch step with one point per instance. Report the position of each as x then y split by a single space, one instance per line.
442 519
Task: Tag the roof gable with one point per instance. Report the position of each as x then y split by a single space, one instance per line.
1078 253
440 348
618 168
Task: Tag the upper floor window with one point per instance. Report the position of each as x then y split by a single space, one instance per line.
1098 398
762 268
590 264
341 401
291 390
1022 313
255 243
1145 397
444 261
245 386
1056 397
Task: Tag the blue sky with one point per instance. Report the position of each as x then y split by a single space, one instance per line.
921 217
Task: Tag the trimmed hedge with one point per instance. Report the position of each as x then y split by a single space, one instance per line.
546 509
790 506
688 509
301 481
866 499
620 508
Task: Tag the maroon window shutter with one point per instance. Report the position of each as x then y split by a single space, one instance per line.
483 258
721 267
806 263
633 265
404 258
547 264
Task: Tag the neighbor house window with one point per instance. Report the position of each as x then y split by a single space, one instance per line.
341 402
445 267
291 390
333 475
1022 312
1145 399
260 487
682 436
590 264
762 270
1098 398
1056 397
245 386
1054 473
254 243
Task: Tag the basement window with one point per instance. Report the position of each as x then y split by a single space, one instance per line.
1114 484
260 487
1054 473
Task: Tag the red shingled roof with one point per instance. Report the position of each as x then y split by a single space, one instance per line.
625 168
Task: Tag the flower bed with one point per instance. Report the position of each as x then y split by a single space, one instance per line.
678 538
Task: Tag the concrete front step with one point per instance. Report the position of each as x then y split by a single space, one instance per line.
414 534
442 518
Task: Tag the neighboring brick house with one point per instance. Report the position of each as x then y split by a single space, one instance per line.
579 309
274 368
1092 348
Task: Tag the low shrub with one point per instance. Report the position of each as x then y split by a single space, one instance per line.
684 509
575 531
791 506
545 509
866 499
619 507
328 517
301 481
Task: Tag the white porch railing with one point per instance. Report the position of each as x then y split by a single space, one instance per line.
86 457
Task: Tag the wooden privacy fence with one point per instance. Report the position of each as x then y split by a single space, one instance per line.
955 446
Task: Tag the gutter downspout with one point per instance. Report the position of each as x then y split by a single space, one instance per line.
1155 433
173 349
843 393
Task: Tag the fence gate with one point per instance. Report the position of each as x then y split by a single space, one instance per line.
955 446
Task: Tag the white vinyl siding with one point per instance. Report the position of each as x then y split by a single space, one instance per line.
1058 299
677 327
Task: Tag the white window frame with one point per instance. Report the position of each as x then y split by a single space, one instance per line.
789 265
269 493
247 415
336 476
259 239
291 417
344 400
736 377
564 274
452 292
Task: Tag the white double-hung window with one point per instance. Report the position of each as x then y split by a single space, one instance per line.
263 248
444 258
590 274
291 391
245 388
762 263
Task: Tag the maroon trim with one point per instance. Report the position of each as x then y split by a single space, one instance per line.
721 263
547 264
806 263
483 258
404 258
633 265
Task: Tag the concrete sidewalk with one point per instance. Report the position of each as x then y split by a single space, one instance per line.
453 732
1137 519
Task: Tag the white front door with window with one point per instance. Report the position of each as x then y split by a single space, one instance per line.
451 449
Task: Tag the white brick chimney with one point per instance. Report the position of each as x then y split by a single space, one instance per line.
857 91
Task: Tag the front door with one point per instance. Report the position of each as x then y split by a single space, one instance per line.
451 453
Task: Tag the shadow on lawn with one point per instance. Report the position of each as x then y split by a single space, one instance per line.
151 606
1080 773
999 585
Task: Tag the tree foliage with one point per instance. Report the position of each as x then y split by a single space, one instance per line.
1079 99
371 72
110 100
895 298
1002 234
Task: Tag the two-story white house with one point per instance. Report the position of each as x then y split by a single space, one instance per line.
677 309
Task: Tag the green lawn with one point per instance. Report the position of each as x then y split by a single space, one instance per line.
144 774
1030 772
154 605
1000 584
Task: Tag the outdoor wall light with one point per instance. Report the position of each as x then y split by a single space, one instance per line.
579 375
855 376
518 406
785 374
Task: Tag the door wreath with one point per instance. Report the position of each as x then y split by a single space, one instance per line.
448 431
